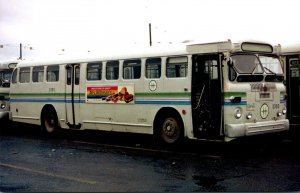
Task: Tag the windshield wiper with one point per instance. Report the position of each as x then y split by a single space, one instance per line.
269 70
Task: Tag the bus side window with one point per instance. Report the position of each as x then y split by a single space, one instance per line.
211 68
38 74
153 68
24 75
94 71
177 67
69 74
112 70
14 76
77 75
52 73
132 69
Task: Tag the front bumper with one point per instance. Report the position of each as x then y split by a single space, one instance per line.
249 129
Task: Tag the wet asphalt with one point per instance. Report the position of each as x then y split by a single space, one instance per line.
93 161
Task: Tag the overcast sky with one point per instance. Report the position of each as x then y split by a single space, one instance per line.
91 24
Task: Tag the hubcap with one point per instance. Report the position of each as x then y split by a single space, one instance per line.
170 130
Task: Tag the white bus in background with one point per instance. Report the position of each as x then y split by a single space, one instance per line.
6 69
291 58
211 91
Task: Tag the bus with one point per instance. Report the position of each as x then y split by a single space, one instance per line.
291 58
210 91
6 69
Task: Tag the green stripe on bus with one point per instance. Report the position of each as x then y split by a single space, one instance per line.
4 94
282 92
46 94
164 94
169 94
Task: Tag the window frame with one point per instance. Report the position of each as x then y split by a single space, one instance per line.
114 64
56 75
132 64
99 70
15 77
33 72
27 80
159 69
175 64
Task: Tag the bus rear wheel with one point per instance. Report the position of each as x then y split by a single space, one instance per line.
170 130
49 121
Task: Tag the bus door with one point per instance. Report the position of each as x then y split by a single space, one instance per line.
72 96
293 87
206 96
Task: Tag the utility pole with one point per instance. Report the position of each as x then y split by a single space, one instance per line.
20 51
150 35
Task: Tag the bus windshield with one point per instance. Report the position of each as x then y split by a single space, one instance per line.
256 68
5 78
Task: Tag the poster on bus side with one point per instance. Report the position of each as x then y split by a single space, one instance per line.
110 94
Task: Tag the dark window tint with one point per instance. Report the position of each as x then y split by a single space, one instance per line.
132 69
52 73
38 74
24 76
94 71
153 68
112 70
176 67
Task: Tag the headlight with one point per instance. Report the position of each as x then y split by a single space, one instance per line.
249 115
284 111
279 114
238 113
2 106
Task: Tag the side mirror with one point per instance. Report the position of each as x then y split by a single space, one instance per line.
230 62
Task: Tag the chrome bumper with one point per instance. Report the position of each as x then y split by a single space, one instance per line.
248 129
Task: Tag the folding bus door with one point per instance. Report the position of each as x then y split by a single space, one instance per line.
207 96
293 87
72 96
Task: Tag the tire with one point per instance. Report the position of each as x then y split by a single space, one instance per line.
49 121
170 130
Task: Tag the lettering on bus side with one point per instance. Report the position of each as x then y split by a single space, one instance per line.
276 106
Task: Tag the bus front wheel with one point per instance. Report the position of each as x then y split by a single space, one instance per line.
170 130
49 121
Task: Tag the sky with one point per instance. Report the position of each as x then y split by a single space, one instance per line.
62 26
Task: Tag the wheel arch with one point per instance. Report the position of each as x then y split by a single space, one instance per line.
162 113
46 109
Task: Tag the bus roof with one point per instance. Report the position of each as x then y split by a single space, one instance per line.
6 64
118 53
107 55
290 49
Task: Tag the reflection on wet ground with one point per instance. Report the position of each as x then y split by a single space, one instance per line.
103 161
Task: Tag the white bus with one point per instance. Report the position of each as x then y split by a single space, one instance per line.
212 91
6 69
291 59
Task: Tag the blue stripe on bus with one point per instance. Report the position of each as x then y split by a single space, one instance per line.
144 102
163 102
235 104
45 101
